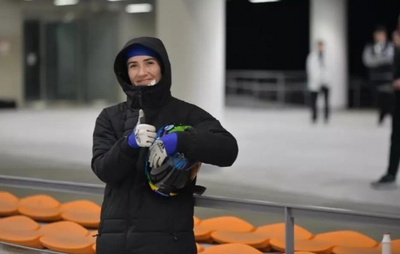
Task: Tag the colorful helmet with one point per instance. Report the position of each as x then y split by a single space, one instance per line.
175 172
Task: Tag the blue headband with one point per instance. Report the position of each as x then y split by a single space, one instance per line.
140 50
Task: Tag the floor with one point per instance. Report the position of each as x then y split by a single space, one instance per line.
283 158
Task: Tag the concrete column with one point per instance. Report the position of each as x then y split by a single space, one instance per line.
328 22
194 34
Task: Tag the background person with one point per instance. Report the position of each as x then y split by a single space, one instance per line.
378 58
318 80
394 152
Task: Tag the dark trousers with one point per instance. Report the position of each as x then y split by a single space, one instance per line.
394 156
324 90
385 101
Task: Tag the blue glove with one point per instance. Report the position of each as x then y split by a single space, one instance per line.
170 142
162 148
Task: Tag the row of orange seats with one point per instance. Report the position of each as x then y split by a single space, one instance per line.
228 230
61 236
224 234
66 228
45 208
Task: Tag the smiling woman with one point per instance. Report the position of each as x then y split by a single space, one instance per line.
126 145
143 66
143 71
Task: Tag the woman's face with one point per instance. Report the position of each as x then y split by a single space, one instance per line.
143 70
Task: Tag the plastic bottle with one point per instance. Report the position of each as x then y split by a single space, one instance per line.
386 244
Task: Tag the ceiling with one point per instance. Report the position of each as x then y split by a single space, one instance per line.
47 9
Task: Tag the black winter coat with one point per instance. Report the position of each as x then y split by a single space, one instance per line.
134 219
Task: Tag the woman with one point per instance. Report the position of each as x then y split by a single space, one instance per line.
134 219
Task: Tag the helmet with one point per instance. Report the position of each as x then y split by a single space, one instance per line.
175 172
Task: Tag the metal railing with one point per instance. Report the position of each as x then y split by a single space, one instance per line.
26 249
290 211
279 83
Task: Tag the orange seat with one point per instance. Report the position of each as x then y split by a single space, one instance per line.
40 208
67 236
196 220
226 223
231 248
94 247
63 228
375 250
303 246
8 204
277 231
17 221
202 234
21 230
353 250
346 238
83 212
203 230
254 239
395 246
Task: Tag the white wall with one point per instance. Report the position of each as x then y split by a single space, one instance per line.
11 82
328 22
193 32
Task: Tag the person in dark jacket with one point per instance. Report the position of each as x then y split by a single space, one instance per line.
378 58
134 219
394 154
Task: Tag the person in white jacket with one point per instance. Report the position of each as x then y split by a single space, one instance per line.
317 80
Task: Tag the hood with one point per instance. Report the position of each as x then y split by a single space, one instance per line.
145 96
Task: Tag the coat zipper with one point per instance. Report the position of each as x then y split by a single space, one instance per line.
140 98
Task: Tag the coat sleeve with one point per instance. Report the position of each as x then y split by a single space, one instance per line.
113 159
308 64
372 60
396 65
311 70
207 141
